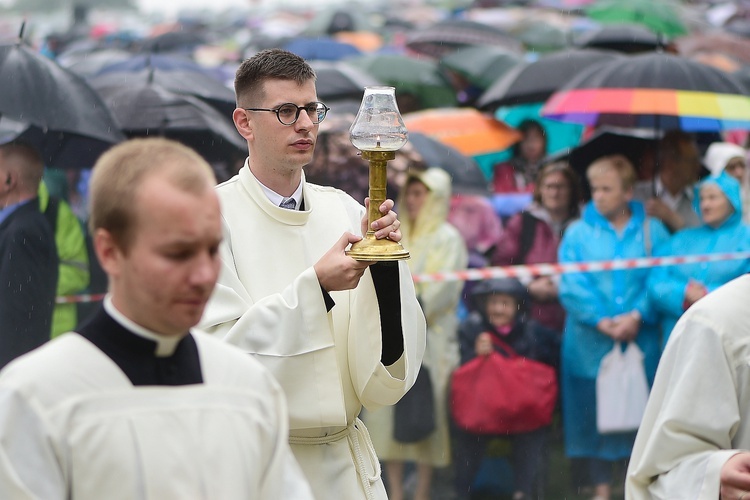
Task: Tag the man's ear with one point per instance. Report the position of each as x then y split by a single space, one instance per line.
108 252
242 123
9 181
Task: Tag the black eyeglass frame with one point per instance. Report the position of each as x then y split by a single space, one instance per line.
318 107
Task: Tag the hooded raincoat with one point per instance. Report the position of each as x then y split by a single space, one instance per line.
590 297
667 284
434 246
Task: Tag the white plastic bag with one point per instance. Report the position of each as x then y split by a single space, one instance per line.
621 390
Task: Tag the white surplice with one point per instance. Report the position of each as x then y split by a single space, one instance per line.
269 302
73 426
698 413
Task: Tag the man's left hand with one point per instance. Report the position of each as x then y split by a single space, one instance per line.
388 226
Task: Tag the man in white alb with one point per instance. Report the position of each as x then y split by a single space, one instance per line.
133 405
338 334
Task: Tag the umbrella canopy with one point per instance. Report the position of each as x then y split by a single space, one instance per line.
734 46
466 176
536 81
481 65
88 64
419 78
626 38
322 48
660 91
632 143
57 149
466 129
338 80
174 41
366 41
660 16
55 105
148 109
541 36
172 73
334 19
447 36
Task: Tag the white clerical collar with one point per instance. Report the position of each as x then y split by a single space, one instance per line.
275 197
165 344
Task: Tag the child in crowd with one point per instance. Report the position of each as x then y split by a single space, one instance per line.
501 311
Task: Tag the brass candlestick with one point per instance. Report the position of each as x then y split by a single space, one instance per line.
378 131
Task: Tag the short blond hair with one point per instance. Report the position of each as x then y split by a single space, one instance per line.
120 171
617 163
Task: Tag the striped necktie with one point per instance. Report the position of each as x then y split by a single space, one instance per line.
288 203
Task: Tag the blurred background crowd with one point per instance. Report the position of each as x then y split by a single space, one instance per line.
539 131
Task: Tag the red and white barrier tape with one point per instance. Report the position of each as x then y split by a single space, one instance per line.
75 299
530 270
533 270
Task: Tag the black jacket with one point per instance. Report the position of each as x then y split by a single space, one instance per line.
28 281
528 338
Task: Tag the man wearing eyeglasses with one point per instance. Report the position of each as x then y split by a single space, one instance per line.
337 333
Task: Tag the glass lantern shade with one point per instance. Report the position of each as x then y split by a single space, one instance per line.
378 125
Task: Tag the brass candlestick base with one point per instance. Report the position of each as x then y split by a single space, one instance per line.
371 248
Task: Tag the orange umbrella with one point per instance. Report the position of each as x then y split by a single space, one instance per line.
366 41
466 129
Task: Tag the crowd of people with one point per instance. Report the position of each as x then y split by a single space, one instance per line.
259 262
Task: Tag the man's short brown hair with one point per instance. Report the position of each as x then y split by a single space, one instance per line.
26 162
120 171
270 64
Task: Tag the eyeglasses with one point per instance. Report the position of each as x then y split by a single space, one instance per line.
288 113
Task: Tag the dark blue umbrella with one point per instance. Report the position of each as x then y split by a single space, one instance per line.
323 48
165 62
174 73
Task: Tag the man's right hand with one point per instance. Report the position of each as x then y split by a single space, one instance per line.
336 271
657 208
735 477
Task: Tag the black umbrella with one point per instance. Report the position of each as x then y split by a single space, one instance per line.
151 110
57 110
632 143
626 38
466 175
174 41
536 81
88 64
446 36
172 73
340 80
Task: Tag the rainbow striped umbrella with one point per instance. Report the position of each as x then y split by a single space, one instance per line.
655 90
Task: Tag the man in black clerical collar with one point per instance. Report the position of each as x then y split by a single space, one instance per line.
94 413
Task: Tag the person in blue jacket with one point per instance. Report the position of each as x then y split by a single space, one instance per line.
672 289
604 307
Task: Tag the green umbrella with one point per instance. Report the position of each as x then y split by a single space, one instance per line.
418 78
481 64
541 36
660 16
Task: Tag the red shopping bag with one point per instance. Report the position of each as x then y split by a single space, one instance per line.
503 393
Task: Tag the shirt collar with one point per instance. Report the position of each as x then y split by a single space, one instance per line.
165 344
667 197
275 197
5 212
